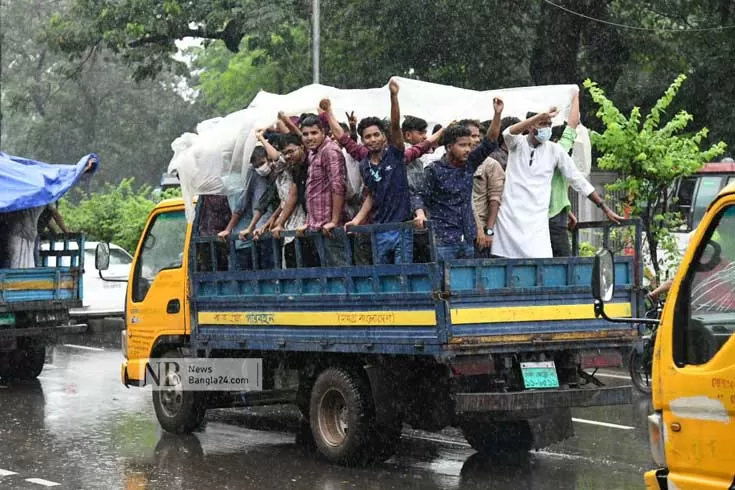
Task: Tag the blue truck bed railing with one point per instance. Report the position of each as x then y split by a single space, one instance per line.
480 305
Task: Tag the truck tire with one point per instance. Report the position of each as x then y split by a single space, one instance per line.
178 411
490 437
26 363
341 417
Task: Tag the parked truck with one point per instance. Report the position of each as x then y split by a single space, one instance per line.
502 349
35 304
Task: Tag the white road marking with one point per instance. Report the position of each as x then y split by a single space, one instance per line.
615 376
7 473
41 481
603 424
84 347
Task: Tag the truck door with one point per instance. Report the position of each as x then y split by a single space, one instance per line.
157 296
697 372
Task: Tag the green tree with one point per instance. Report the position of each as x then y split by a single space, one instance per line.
649 155
115 214
56 110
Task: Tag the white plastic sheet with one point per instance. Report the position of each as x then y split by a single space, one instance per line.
215 160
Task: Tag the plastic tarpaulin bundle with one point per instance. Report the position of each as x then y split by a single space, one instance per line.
26 184
216 160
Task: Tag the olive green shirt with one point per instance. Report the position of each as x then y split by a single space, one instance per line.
559 201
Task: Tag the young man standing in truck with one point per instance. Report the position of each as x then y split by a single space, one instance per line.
446 193
522 229
325 188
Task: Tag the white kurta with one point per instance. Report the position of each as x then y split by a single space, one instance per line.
522 227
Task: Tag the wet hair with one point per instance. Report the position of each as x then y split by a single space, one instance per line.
289 139
436 128
485 125
411 123
306 115
312 120
505 123
370 121
470 122
454 132
530 114
258 155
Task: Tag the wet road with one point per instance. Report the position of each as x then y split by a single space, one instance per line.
77 427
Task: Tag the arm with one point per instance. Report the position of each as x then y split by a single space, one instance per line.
272 153
289 124
527 124
352 119
354 149
251 226
337 178
581 184
494 130
495 193
234 220
365 209
488 145
396 135
574 112
59 220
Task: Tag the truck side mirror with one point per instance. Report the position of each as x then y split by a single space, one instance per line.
102 257
603 276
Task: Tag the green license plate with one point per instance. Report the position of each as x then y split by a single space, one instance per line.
7 319
539 375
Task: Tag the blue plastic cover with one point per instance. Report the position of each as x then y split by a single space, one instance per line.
28 184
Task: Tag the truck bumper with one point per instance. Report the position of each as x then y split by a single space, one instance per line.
53 332
542 399
132 373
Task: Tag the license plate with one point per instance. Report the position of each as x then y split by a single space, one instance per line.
7 319
539 375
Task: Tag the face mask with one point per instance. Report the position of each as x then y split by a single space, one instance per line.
264 170
543 134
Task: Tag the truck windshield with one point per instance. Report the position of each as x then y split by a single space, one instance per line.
163 248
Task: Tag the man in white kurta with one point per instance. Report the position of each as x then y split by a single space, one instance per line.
522 227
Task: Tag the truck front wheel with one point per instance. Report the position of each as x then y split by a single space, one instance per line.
341 416
178 411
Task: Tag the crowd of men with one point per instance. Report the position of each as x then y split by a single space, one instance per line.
490 189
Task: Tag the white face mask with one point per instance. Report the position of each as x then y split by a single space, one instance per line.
543 134
264 170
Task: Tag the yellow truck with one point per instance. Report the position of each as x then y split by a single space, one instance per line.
692 427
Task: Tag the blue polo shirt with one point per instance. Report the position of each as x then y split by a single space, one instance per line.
388 184
446 196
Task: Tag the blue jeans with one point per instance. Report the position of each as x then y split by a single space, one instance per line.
391 246
461 250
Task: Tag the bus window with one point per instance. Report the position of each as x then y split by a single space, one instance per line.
684 198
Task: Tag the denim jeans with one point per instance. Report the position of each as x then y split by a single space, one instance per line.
462 250
391 246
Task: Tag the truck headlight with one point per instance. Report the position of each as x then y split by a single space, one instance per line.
124 343
657 438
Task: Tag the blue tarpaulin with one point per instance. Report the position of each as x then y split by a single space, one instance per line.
28 184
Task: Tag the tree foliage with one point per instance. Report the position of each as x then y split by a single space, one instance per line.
114 214
649 155
56 110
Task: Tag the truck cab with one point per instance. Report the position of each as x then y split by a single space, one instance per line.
693 380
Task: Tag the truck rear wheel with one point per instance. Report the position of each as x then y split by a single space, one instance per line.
495 437
25 363
341 416
178 411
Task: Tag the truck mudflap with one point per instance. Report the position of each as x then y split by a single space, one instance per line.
43 331
542 399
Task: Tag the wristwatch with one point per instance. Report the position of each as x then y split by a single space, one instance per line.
489 231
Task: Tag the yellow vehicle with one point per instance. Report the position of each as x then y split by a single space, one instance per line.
692 427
